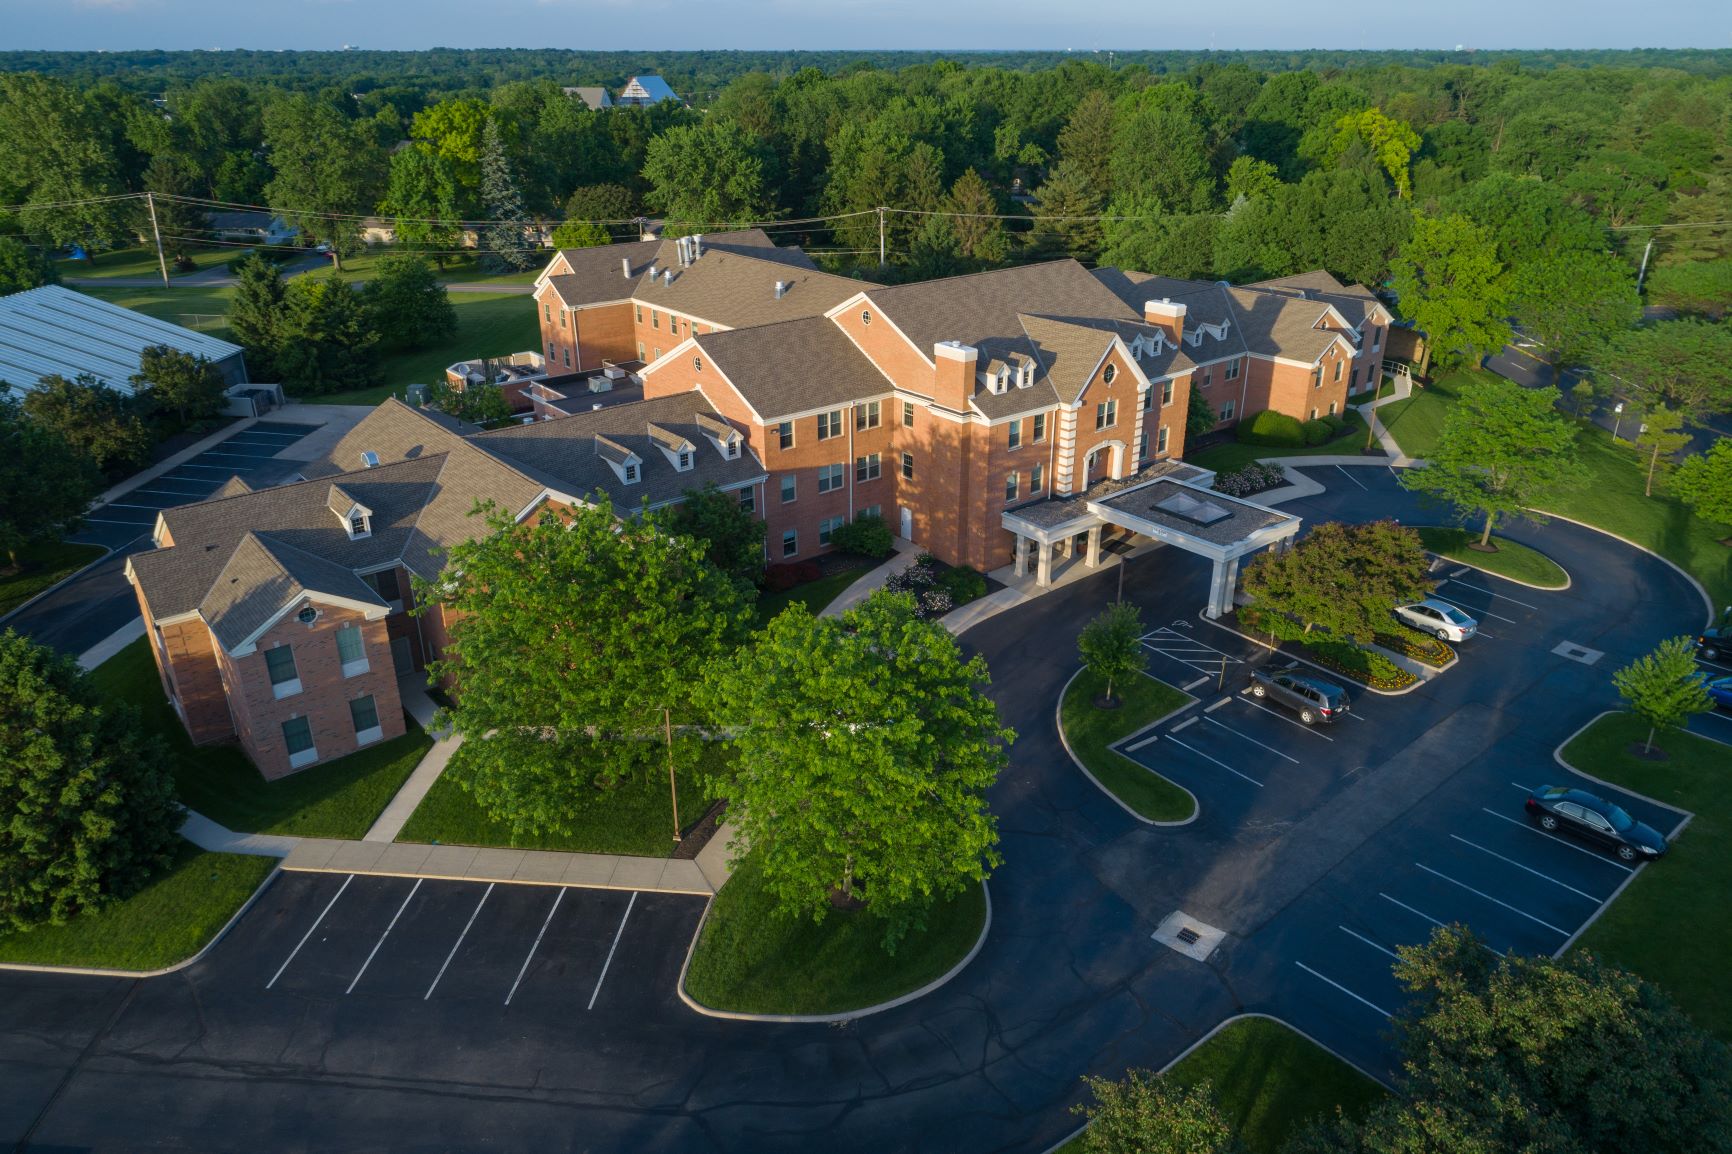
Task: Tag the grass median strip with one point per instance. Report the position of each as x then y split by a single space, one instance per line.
41 567
338 799
1091 733
1512 559
752 959
1665 926
168 921
1269 1081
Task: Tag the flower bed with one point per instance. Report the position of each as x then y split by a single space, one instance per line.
1418 646
1365 666
1256 477
937 588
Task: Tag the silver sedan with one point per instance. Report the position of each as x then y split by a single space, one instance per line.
1438 618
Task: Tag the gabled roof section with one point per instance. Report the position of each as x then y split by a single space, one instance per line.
1278 325
666 438
233 487
611 272
737 289
716 427
340 501
1205 301
611 450
793 367
262 578
1354 302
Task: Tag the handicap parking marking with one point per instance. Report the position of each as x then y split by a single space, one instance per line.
1252 740
1518 865
413 890
310 930
1495 901
1380 948
530 956
617 934
1533 829
1363 1001
485 894
1217 761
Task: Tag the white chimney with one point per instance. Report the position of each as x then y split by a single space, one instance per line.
697 245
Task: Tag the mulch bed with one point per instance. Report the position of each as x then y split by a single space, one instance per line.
698 836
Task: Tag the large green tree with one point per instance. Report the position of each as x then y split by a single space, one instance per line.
255 314
405 303
1451 285
706 175
1339 578
507 240
91 417
1161 149
732 535
1111 645
87 809
327 343
327 171
1682 364
171 380
1538 1055
57 146
1145 1113
421 197
23 266
1390 142
1571 302
1702 287
45 484
571 633
1503 449
866 747
1704 482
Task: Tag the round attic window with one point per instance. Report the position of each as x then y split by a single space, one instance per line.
307 615
1111 372
866 316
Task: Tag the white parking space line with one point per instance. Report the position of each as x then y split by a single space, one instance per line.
139 525
1350 476
1523 788
1252 740
1716 716
1558 840
1180 637
1713 664
1248 698
1134 746
1206 757
1518 865
1492 900
169 492
1489 593
212 468
485 894
309 932
527 958
1191 720
124 505
1477 612
1342 988
1378 946
383 936
1194 684
616 936
1217 705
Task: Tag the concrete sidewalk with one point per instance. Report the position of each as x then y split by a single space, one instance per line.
872 581
404 802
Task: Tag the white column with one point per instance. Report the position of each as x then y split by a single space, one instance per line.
1043 566
1021 555
1223 580
1093 557
1068 545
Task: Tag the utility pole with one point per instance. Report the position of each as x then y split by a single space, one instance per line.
673 790
880 236
161 261
1644 269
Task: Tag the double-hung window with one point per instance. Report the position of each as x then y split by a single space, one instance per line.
1035 479
826 527
365 714
1161 440
908 466
907 414
1232 373
829 424
351 652
1106 414
1166 392
790 542
748 502
1039 434
785 435
1015 436
829 478
868 468
867 416
790 489
1338 365
280 663
298 740
1012 484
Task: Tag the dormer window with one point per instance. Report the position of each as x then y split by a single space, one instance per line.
684 463
732 450
357 524
630 473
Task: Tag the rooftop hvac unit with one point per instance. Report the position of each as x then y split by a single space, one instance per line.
611 371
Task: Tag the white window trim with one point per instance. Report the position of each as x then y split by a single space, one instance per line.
307 756
355 668
369 736
288 688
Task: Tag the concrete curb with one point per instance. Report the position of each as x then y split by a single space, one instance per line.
1568 580
1707 601
1558 756
846 1015
1406 689
1058 721
90 971
112 644
1216 1029
72 576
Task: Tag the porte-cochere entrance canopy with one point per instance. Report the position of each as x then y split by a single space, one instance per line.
1169 502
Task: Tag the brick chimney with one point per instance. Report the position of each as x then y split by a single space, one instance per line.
1164 314
953 374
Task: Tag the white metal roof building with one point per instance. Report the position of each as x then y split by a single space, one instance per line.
54 330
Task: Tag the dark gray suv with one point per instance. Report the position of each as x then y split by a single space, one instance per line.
1308 695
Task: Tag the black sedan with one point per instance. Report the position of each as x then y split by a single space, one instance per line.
1558 809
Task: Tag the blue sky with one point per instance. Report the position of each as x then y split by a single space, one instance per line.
783 24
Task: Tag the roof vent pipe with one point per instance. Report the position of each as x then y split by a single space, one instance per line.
697 245
781 289
625 267
667 276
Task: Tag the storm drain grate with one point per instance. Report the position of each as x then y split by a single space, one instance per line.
1576 652
1189 936
1184 933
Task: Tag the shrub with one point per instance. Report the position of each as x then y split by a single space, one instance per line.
1256 477
936 601
964 584
1317 432
1271 428
781 578
1337 422
865 537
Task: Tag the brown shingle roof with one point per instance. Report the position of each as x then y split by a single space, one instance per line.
737 289
794 367
262 576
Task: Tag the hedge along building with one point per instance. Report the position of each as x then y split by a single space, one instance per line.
281 618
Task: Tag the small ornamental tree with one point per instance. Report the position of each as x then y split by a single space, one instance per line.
1200 416
866 746
87 809
1664 687
178 382
569 638
1704 482
1342 579
1503 449
1146 1113
478 403
45 484
733 539
92 418
1662 435
1112 645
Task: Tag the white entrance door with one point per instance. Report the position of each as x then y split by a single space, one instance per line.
907 523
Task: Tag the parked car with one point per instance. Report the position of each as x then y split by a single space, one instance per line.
1713 644
1559 809
1313 698
1438 618
1719 689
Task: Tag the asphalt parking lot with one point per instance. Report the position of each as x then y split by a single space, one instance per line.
248 454
489 949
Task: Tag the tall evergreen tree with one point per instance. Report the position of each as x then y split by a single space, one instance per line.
256 314
507 238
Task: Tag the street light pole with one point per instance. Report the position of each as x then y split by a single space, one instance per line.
673 790
1618 410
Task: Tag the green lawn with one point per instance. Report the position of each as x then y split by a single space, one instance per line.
1224 458
1665 927
1416 421
1269 1080
488 325
169 920
814 595
204 309
41 566
751 959
634 818
141 262
1092 731
341 798
457 270
1511 559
